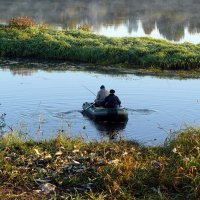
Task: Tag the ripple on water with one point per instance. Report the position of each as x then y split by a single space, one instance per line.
55 101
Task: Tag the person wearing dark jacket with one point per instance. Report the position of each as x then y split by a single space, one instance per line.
111 101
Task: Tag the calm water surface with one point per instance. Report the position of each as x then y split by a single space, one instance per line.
175 20
41 103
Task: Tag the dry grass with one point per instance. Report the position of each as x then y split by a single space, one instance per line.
73 169
22 22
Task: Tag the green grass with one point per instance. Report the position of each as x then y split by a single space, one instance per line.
99 170
81 46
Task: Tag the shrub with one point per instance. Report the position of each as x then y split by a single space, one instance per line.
22 22
85 27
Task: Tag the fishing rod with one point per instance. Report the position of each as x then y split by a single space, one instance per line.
90 90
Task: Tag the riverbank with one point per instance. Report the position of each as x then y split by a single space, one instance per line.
65 168
82 46
32 65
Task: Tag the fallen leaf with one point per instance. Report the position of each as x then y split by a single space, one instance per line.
58 153
48 156
47 188
75 151
76 162
124 154
115 162
37 152
42 180
37 191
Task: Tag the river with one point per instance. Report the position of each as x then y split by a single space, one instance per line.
41 103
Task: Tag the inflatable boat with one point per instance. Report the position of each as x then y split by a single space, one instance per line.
105 114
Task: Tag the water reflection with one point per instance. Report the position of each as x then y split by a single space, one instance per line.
18 67
26 67
110 130
23 72
173 19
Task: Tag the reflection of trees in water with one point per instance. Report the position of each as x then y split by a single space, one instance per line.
148 26
194 27
171 16
132 25
170 29
20 67
22 72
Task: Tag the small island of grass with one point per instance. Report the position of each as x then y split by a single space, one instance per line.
41 42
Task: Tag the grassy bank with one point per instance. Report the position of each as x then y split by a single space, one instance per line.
81 46
66 168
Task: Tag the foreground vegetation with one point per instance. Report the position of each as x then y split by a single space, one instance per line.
65 168
40 42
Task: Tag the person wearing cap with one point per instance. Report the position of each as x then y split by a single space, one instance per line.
112 101
101 95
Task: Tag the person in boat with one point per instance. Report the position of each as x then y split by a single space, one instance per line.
112 101
101 95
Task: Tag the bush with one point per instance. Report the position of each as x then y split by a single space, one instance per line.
22 22
85 27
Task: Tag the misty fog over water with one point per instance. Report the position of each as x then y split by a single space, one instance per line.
174 20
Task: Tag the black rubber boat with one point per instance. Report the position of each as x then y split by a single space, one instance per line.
105 114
